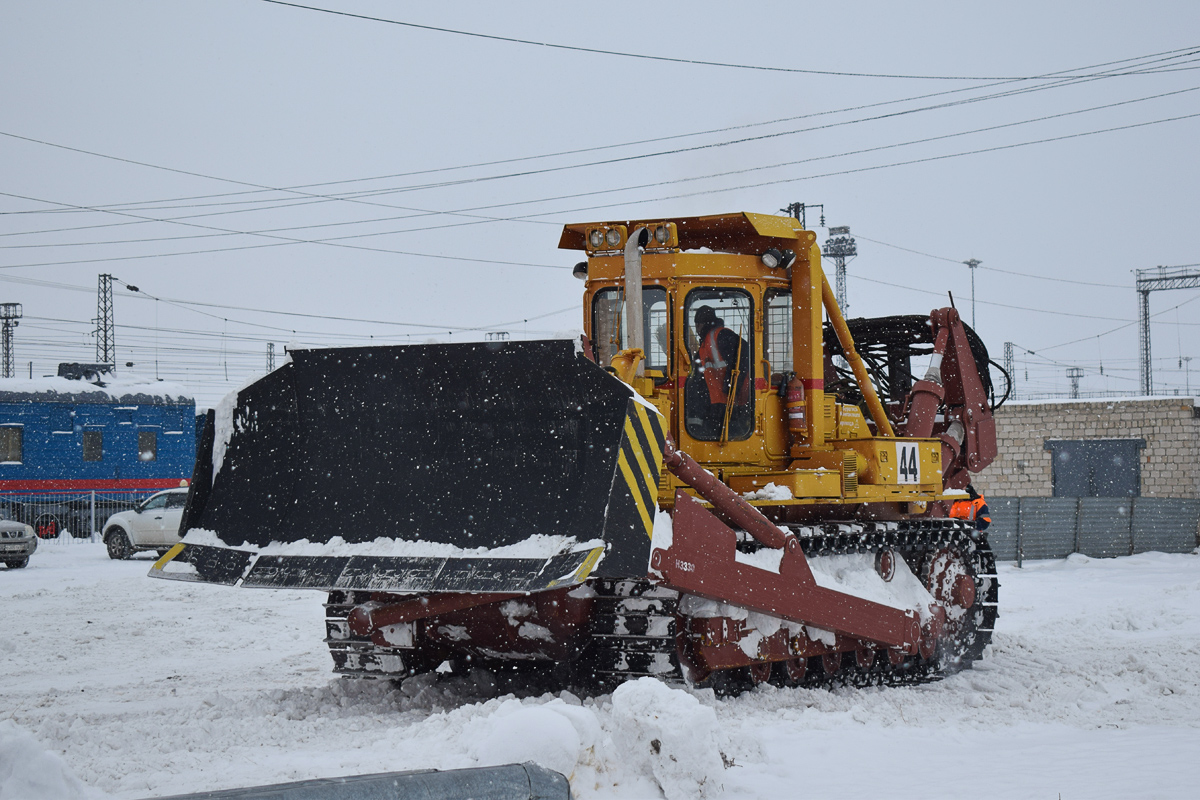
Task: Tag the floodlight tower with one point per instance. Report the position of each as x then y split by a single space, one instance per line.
106 340
10 313
839 246
1074 373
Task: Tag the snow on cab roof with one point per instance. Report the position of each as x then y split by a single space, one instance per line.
130 390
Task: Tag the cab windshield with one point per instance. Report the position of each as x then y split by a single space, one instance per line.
718 401
609 332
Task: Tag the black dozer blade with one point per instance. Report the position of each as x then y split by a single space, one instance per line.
479 446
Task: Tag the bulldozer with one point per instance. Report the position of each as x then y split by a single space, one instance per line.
723 482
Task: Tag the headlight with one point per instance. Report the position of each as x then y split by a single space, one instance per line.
596 238
777 259
662 234
613 237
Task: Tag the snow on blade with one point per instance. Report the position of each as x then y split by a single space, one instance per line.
536 546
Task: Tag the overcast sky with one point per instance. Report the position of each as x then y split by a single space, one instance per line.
437 168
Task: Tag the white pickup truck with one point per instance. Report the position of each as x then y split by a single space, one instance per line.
151 525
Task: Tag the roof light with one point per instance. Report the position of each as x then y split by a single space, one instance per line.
662 234
612 237
596 238
777 259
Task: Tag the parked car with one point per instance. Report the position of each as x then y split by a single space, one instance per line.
151 525
17 543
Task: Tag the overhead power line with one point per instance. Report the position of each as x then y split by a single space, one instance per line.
990 128
647 57
1051 311
1062 79
1129 324
1150 58
959 262
289 241
180 302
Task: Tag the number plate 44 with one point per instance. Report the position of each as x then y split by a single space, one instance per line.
908 463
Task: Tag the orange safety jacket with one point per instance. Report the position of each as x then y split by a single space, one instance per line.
974 510
716 371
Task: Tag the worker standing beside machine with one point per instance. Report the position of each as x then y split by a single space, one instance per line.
973 509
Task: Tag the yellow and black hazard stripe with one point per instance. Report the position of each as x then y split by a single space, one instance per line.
641 458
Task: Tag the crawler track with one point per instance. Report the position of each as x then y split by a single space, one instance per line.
633 633
635 624
357 656
625 655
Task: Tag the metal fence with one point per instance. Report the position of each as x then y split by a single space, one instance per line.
79 513
1055 527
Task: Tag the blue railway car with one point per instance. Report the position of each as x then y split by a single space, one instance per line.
61 437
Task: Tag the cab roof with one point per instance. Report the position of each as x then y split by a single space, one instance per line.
741 232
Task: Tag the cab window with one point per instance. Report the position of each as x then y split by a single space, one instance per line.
609 331
777 334
718 395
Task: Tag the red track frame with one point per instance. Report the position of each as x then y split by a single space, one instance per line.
701 561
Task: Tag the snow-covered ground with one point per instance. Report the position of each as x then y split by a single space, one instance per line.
117 684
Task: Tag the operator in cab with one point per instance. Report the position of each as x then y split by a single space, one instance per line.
723 359
974 509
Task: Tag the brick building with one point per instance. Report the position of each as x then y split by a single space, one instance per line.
1147 447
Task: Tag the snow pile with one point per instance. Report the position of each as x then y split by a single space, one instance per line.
557 735
770 492
668 734
1091 688
27 772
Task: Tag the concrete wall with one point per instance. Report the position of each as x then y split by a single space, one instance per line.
1170 462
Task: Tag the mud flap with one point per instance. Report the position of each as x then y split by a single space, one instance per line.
484 447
